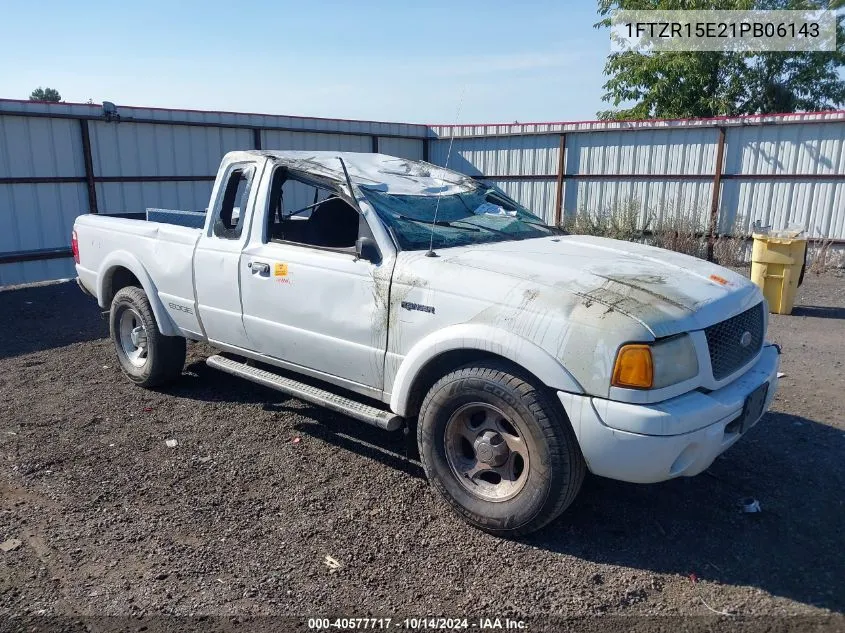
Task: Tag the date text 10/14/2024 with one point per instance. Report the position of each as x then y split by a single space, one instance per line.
417 624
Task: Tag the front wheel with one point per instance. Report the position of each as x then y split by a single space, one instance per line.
498 450
146 356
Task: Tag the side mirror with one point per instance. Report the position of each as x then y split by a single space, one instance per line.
366 248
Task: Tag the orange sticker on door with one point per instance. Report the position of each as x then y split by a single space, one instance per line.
280 270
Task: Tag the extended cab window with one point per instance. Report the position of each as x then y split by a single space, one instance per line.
231 209
311 214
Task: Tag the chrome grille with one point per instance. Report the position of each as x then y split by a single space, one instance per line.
724 340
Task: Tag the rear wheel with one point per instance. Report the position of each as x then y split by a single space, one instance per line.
146 356
498 450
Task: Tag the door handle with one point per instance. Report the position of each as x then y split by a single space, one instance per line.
260 268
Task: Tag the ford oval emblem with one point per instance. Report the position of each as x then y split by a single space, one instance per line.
745 339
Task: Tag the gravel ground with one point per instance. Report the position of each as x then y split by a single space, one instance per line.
238 518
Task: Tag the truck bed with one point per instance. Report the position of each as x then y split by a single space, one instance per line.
159 252
191 219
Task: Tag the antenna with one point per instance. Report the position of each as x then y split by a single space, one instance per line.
431 252
349 184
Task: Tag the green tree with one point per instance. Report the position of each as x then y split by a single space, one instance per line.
705 84
45 94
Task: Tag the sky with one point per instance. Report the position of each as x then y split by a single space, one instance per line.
434 61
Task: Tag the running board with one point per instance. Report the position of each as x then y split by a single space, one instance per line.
365 413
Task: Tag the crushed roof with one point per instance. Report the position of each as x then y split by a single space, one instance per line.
379 172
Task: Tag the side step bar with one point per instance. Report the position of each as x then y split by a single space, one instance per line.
365 413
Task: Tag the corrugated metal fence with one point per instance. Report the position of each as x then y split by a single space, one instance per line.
726 172
60 160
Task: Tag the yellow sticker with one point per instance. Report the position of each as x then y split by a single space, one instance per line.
280 270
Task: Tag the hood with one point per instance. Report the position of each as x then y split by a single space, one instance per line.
667 292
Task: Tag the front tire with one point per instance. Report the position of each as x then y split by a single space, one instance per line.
146 356
498 450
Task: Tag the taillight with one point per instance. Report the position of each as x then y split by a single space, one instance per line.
74 246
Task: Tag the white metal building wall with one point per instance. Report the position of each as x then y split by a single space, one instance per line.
150 158
402 147
126 153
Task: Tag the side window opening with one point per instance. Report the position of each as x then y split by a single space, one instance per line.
232 211
303 213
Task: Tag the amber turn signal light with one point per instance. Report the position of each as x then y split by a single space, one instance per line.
633 367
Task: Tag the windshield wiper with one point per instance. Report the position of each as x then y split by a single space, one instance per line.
438 223
486 228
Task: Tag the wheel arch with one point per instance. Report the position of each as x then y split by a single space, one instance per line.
446 350
121 269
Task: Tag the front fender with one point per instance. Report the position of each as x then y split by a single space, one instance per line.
125 259
485 338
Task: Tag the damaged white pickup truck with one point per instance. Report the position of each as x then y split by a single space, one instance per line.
401 293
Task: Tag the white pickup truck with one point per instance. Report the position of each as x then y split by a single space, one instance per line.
401 294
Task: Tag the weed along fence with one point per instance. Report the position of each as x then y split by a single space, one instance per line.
716 176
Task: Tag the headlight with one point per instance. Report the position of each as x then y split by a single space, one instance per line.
656 365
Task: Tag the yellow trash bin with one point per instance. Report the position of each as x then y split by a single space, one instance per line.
776 264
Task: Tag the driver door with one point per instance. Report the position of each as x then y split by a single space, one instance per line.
308 300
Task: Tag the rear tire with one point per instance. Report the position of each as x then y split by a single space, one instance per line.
146 356
498 449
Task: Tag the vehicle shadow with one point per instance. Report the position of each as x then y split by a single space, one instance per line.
793 466
47 316
359 438
200 382
820 312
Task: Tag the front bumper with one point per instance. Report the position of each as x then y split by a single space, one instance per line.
678 437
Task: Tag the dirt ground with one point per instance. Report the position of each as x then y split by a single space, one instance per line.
238 518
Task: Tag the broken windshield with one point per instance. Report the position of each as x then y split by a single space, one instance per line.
478 216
